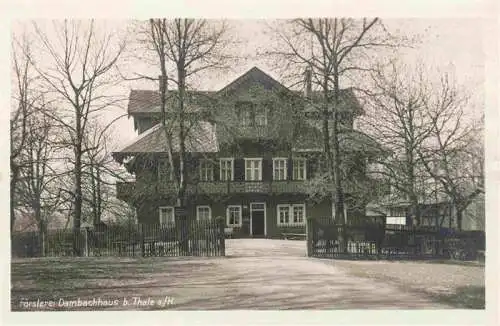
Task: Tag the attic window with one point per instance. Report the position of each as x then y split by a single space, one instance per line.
261 118
245 113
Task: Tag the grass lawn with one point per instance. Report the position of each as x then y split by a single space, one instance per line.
460 285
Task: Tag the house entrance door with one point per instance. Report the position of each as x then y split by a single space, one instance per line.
258 219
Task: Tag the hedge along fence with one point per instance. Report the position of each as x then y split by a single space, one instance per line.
375 241
199 238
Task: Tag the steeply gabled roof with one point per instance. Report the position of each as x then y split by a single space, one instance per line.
201 138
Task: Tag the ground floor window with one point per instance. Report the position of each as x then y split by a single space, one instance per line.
203 213
291 214
166 215
233 214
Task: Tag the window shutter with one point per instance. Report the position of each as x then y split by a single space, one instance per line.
290 169
239 170
216 168
267 169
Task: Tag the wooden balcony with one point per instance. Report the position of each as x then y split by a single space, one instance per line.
127 190
288 186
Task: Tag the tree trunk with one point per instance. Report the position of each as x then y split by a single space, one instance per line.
182 155
13 182
42 230
337 171
78 184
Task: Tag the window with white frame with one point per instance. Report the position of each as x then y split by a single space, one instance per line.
246 118
283 214
203 213
253 169
233 214
164 171
299 169
166 215
291 214
226 169
298 213
206 171
279 168
261 118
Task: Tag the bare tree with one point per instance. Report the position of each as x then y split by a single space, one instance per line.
424 127
454 157
398 116
331 51
39 187
181 49
77 71
99 172
23 99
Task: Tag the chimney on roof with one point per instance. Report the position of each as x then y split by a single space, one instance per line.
308 82
162 83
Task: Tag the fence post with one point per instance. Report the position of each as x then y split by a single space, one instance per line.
222 237
309 236
87 249
141 241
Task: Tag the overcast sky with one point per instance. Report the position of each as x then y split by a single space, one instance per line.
453 45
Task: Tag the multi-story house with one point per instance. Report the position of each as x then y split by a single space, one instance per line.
248 162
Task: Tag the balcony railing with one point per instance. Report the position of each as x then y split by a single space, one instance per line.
127 190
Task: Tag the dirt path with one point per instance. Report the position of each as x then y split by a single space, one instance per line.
256 274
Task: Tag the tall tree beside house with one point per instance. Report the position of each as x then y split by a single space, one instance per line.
99 173
454 156
397 115
423 125
330 51
77 73
181 49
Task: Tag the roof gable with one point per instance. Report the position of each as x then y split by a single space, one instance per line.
252 77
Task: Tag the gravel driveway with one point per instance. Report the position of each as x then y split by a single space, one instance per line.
255 274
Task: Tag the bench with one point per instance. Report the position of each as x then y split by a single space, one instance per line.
293 236
228 232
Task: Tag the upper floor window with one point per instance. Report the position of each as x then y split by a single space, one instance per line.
250 115
166 215
245 113
299 169
253 169
279 168
206 171
246 118
226 169
261 118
